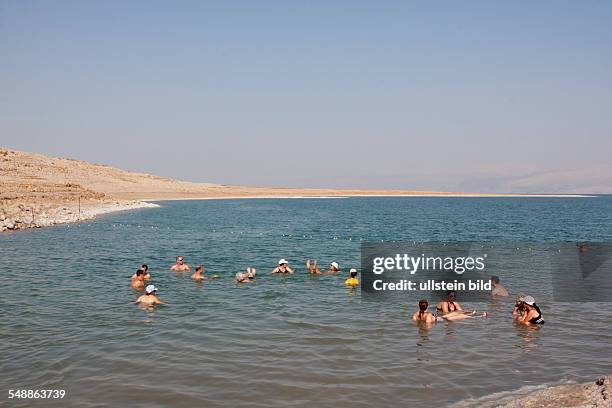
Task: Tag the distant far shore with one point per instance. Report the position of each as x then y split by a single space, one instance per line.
340 195
38 191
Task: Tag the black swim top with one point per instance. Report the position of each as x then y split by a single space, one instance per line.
538 319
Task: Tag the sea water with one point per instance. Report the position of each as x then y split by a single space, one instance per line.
66 321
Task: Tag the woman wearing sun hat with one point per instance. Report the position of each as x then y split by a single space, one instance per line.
531 313
333 268
283 267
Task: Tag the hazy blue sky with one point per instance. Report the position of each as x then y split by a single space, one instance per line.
480 95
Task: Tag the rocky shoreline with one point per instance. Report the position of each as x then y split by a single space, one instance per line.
18 216
595 394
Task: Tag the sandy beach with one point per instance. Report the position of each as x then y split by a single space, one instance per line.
39 191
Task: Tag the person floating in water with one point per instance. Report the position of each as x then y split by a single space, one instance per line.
313 269
150 297
498 289
198 275
423 314
180 266
449 304
138 279
242 277
334 268
352 280
526 311
283 267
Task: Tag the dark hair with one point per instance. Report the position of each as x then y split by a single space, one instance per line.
353 274
495 279
199 267
423 305
140 271
145 267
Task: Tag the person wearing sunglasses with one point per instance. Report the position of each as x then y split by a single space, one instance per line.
283 267
180 266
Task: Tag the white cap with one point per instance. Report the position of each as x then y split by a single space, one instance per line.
353 270
529 300
150 289
251 271
335 265
282 261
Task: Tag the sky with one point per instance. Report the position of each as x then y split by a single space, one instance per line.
481 96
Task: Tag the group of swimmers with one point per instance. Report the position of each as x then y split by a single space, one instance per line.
526 311
138 280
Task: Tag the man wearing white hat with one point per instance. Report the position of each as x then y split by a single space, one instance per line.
283 267
150 297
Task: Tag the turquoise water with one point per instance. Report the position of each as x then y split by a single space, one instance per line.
66 321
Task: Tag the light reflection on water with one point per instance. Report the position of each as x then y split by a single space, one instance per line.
67 322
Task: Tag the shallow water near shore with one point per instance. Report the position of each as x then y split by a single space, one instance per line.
284 340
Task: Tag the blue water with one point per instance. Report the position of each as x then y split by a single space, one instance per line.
66 321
